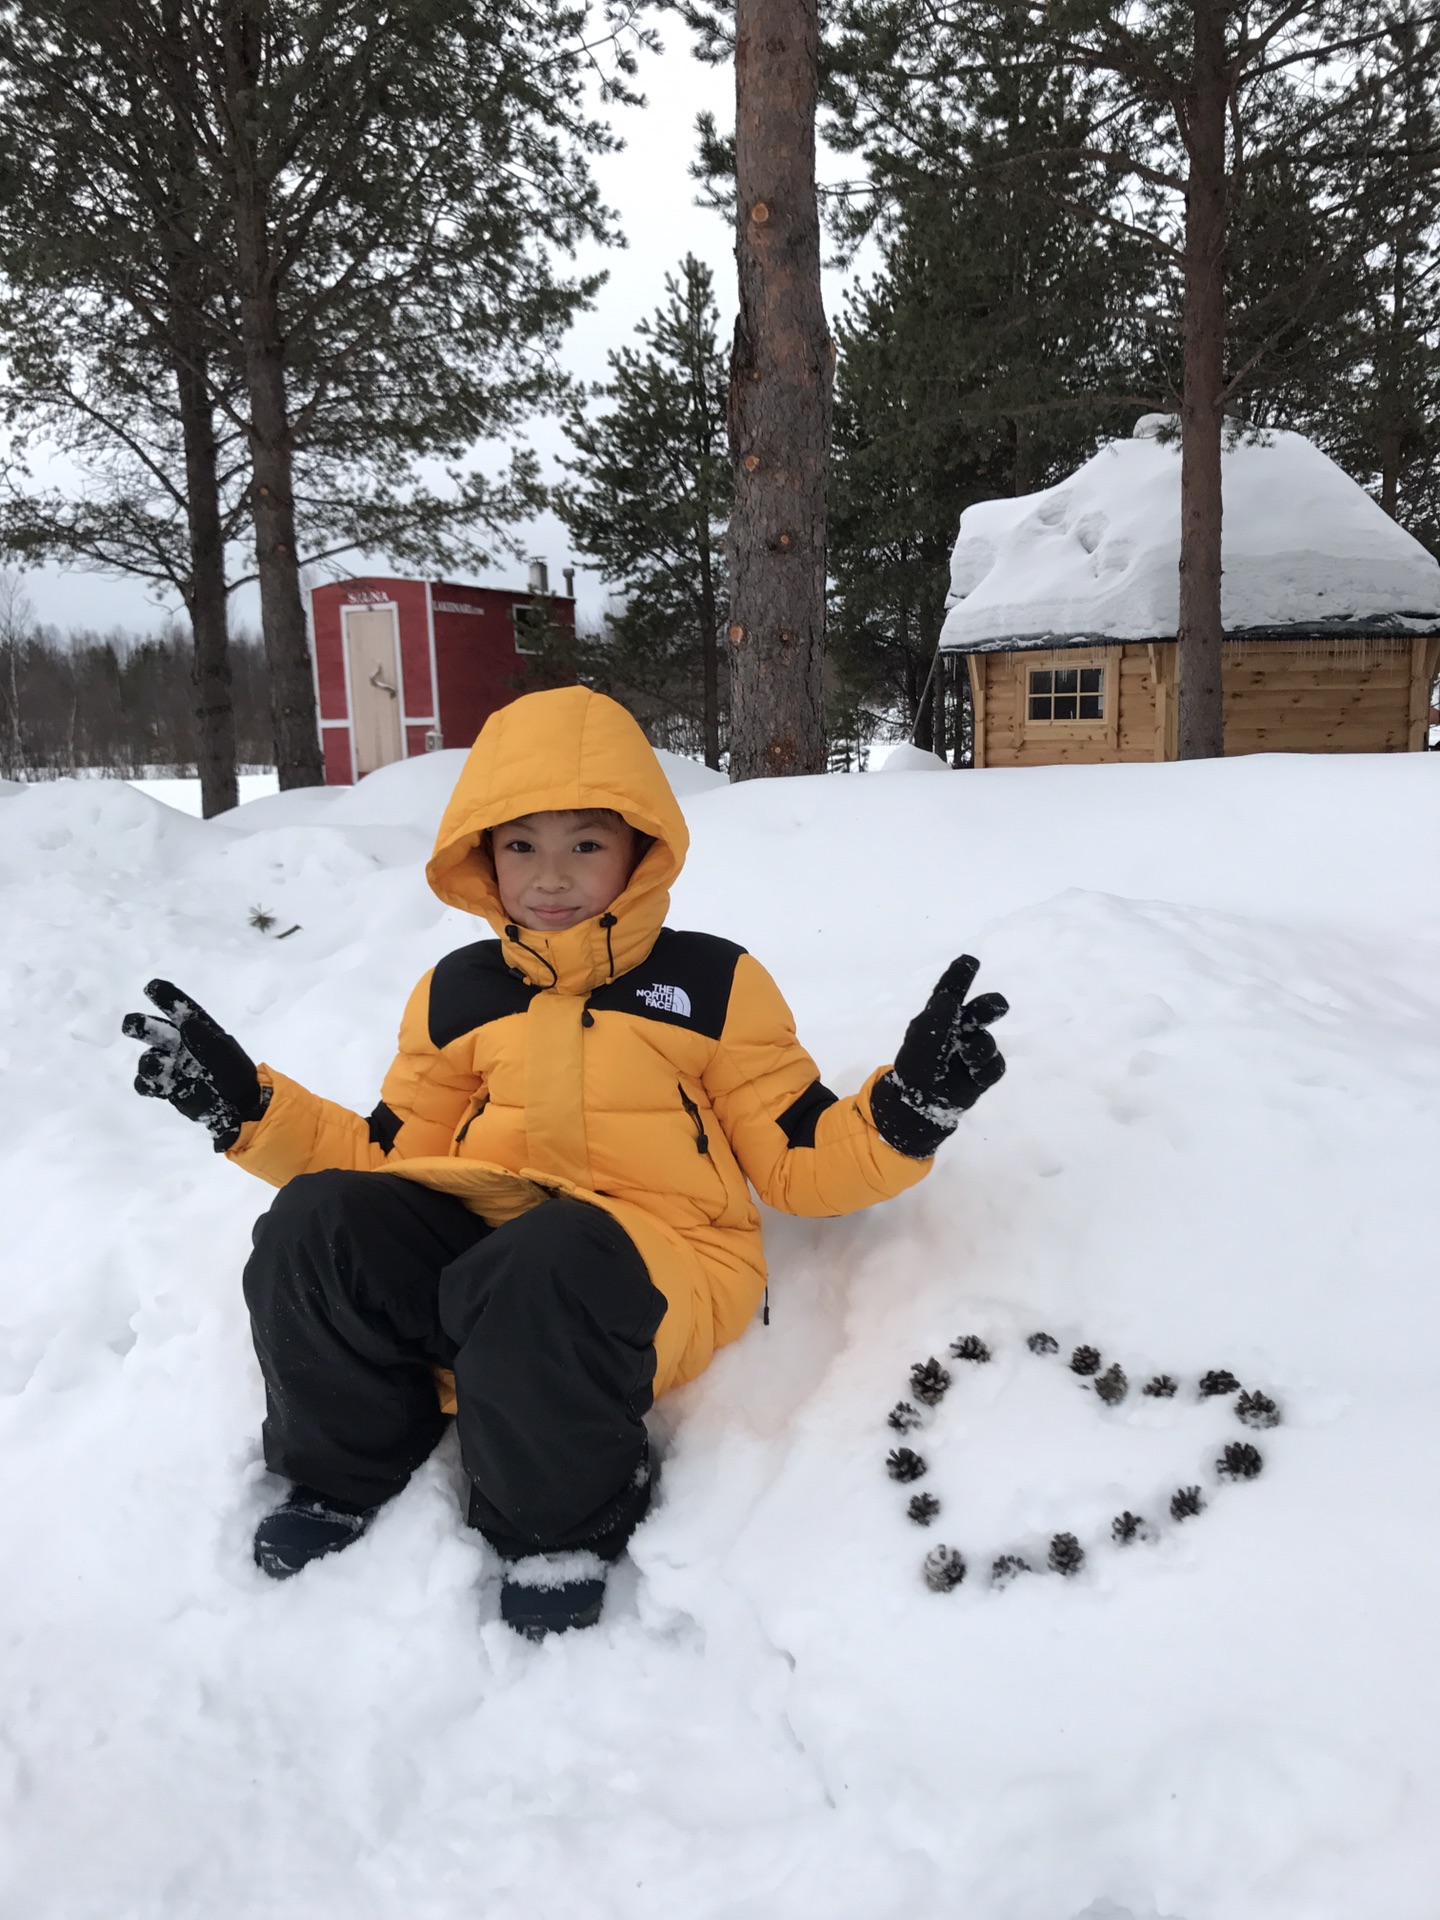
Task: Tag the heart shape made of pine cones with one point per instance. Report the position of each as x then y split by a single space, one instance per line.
929 1456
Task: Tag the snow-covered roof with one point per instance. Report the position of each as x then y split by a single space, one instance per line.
1097 557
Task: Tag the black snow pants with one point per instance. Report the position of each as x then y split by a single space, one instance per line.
360 1283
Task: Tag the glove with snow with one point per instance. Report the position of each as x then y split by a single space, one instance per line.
195 1065
946 1061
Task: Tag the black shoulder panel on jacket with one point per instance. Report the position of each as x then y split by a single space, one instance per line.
685 981
800 1118
471 987
385 1123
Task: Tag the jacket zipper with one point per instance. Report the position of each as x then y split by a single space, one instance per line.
482 1101
702 1145
702 1139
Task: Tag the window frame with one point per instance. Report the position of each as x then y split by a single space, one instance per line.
1105 730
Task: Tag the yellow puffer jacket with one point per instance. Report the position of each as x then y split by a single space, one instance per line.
651 1072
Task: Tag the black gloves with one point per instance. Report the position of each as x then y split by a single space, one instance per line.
195 1065
946 1061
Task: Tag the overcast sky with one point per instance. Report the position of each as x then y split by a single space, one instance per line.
648 184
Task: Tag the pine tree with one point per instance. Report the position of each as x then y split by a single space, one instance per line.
649 502
781 374
986 357
1376 406
377 196
1191 106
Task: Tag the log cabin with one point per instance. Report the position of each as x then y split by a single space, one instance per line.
1064 605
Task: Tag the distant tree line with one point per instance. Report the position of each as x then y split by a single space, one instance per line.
117 703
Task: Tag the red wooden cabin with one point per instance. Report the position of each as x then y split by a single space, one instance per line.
404 667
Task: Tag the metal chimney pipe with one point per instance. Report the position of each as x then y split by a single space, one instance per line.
539 577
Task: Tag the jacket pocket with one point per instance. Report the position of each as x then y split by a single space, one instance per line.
715 1179
477 1107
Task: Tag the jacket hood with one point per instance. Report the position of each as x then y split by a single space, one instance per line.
564 750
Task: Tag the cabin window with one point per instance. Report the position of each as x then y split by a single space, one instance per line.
1067 693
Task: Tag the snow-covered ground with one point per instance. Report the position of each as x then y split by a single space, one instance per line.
1216 1148
176 791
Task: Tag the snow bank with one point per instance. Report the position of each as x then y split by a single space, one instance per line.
1215 1148
906 757
184 792
1099 554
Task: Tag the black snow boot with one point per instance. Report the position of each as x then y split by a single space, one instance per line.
309 1525
552 1592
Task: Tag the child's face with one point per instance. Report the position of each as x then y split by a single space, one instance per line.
554 870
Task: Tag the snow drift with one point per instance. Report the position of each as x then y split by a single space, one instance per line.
1216 1147
1098 555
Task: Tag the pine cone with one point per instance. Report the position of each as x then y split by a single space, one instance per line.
944 1569
929 1382
1239 1461
1005 1569
903 1417
970 1347
1066 1555
904 1465
1257 1410
1112 1386
1127 1527
923 1508
1041 1343
1085 1360
1217 1382
1162 1387
1185 1503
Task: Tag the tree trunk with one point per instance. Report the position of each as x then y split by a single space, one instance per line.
710 647
922 733
206 597
207 601
1024 482
298 759
964 755
1390 444
781 372
1201 699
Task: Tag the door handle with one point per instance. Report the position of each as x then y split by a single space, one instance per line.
383 685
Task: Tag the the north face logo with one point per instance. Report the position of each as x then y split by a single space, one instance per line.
662 999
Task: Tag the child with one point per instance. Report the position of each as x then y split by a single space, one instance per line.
548 1212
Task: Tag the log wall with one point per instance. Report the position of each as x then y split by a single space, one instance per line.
1130 730
1295 696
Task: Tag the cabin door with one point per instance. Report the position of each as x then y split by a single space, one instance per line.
372 654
